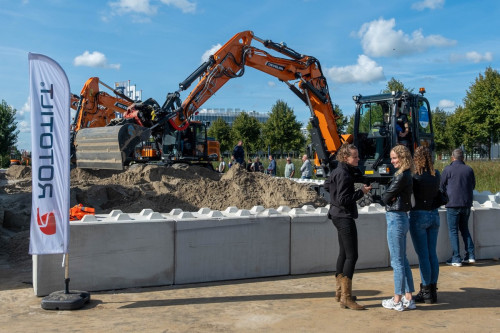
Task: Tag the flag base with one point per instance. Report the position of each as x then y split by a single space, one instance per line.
61 300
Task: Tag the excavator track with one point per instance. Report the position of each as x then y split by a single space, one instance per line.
110 147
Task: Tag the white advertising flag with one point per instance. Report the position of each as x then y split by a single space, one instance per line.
50 159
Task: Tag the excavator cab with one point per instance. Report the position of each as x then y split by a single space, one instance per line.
190 146
384 121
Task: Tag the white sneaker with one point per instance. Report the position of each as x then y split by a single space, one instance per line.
469 261
410 305
390 304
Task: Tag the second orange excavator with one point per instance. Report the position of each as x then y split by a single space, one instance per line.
100 114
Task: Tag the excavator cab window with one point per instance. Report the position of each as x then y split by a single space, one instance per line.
424 123
372 129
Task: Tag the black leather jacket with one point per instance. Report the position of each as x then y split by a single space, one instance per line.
425 190
343 196
397 197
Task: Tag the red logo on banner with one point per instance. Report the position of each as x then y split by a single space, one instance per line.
47 222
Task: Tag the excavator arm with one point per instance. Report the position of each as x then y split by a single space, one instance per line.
96 108
301 73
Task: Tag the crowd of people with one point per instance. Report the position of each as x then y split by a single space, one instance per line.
255 165
411 202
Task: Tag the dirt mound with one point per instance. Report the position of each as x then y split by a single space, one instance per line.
159 188
18 172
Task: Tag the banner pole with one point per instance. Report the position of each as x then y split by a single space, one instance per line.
66 272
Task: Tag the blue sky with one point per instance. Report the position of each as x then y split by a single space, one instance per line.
442 45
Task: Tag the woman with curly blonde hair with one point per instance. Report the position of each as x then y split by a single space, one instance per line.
424 223
397 200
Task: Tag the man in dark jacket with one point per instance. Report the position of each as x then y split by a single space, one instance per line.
458 181
239 153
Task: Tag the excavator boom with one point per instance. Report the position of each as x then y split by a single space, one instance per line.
301 73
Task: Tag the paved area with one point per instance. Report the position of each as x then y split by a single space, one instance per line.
469 301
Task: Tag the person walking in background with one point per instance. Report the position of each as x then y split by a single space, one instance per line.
306 168
222 166
397 200
257 165
424 223
343 210
289 168
458 181
271 169
239 153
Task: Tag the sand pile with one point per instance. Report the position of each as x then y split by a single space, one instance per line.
159 188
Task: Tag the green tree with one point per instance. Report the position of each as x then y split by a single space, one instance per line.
248 129
8 128
482 110
282 130
441 135
395 85
456 129
221 131
342 120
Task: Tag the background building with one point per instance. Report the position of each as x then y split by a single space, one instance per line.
228 115
129 90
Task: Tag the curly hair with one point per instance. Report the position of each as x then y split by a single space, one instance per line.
345 151
405 159
423 161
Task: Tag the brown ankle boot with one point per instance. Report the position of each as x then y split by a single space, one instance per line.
346 300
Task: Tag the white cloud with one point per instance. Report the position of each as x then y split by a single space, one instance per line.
473 56
271 83
94 59
133 6
23 113
144 7
446 104
431 4
184 5
24 126
210 52
379 39
477 57
366 70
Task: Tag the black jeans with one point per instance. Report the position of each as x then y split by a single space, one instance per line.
348 243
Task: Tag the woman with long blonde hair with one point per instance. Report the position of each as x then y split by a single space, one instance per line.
397 200
424 223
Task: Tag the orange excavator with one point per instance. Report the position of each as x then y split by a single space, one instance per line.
301 73
97 109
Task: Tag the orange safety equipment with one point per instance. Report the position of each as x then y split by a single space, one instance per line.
77 212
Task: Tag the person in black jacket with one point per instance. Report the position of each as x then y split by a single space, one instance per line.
397 199
458 181
343 210
424 223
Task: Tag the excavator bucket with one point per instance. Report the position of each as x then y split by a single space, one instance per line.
110 147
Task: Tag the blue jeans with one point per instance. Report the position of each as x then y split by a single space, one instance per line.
458 219
424 228
397 228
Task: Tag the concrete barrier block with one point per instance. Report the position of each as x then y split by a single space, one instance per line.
373 251
110 255
231 247
313 245
487 233
481 197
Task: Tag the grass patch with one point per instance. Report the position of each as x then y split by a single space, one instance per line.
487 174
